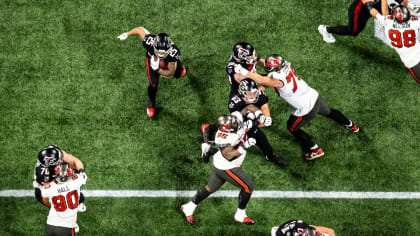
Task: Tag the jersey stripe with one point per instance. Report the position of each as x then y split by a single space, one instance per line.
414 75
148 70
239 181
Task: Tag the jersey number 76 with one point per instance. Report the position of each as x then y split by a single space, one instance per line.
292 76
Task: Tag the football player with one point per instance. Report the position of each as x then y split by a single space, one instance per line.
253 104
62 197
242 64
402 31
232 142
412 5
300 228
159 49
306 104
48 159
359 13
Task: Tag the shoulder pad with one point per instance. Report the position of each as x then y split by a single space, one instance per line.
389 17
414 18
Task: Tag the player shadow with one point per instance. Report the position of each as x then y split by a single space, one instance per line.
369 54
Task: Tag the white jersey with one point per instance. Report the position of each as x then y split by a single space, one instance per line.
295 91
64 200
235 140
404 38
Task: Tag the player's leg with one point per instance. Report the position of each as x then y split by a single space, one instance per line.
415 72
265 146
353 20
335 115
152 89
294 124
180 70
240 179
52 230
214 183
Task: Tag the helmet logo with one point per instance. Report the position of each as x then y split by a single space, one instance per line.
243 53
273 63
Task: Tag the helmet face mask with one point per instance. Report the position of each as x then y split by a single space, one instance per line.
274 62
249 90
244 53
162 45
401 14
63 172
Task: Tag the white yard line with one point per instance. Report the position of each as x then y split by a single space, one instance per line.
255 194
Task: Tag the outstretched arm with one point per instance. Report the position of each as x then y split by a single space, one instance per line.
72 160
141 31
260 79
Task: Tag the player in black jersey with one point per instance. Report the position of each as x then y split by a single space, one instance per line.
359 13
162 58
242 64
254 106
49 158
300 228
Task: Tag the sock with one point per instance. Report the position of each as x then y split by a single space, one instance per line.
243 199
200 195
314 147
189 208
350 125
151 92
240 214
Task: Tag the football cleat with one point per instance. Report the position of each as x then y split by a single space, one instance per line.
246 220
81 207
279 161
150 111
354 128
327 37
189 218
314 154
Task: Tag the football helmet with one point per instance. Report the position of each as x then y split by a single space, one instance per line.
274 62
244 53
63 172
401 14
228 123
162 45
50 156
249 90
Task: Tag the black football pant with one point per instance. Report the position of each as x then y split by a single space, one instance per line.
154 81
52 230
358 17
262 142
295 123
415 72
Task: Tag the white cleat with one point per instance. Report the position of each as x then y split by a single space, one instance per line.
76 228
328 37
81 208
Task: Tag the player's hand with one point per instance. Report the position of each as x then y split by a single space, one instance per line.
250 115
123 36
249 143
265 120
249 124
261 88
154 64
240 70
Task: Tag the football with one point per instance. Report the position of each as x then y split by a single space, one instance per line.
162 62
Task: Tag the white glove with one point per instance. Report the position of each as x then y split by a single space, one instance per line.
154 64
380 18
249 143
250 116
240 70
123 36
248 124
265 120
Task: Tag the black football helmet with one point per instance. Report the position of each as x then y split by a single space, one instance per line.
50 156
401 14
249 90
244 53
162 45
228 123
63 172
274 62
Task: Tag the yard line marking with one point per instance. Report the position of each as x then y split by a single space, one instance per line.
229 193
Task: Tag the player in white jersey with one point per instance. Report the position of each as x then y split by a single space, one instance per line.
232 142
402 33
306 104
62 197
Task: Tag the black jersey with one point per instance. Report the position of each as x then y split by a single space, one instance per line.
174 53
291 227
236 103
43 174
230 70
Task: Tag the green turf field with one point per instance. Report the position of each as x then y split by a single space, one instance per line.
66 79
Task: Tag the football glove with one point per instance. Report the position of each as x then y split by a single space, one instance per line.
250 115
154 64
249 124
265 120
240 70
249 143
123 36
